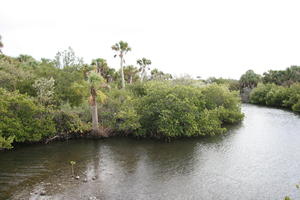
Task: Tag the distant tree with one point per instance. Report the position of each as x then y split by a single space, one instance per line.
293 73
143 63
101 65
121 48
24 58
103 69
159 75
186 79
211 80
27 60
282 77
67 58
131 74
15 76
250 79
274 76
231 83
47 61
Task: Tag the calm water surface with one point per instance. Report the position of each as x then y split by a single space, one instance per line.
256 160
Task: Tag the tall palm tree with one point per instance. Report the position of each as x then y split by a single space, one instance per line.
143 63
121 48
94 82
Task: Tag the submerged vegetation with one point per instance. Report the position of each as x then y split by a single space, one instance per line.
64 97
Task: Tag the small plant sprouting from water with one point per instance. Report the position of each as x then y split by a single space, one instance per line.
72 163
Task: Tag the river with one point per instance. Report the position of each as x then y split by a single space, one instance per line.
258 159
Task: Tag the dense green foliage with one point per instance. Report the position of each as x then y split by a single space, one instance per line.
277 96
232 84
23 119
282 77
41 100
168 110
32 97
250 79
277 88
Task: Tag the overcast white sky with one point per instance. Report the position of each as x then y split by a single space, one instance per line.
197 37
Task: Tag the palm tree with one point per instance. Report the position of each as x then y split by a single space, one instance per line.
100 64
121 48
250 79
103 69
131 73
143 66
94 82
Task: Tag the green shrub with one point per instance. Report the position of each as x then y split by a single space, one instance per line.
229 116
210 123
68 123
184 111
259 94
6 143
226 103
294 95
276 96
23 119
118 112
220 95
296 107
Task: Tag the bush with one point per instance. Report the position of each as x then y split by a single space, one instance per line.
118 112
184 111
5 143
68 123
259 94
23 119
294 95
277 96
229 116
225 102
296 107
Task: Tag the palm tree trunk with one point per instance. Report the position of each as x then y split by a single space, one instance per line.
130 80
122 73
95 118
94 111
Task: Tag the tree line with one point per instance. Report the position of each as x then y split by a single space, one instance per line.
47 99
276 88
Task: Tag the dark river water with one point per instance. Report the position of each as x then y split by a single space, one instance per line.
258 159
